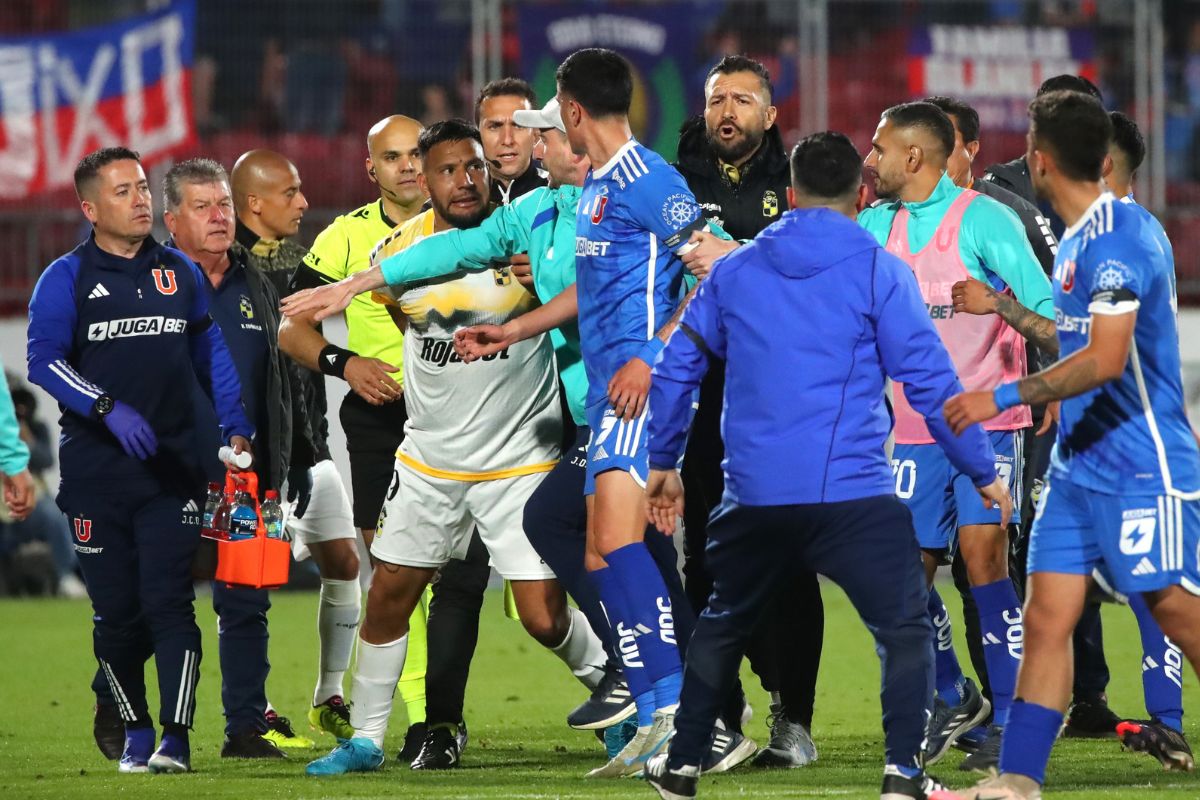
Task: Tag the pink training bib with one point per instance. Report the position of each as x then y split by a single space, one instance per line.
986 351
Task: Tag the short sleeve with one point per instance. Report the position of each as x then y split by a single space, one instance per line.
330 253
1115 283
662 202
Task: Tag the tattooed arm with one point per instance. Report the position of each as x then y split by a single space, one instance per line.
1103 360
975 297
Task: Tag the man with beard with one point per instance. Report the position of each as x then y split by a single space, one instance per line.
734 162
947 235
479 441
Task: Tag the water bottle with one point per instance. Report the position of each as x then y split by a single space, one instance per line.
220 523
210 511
272 515
243 522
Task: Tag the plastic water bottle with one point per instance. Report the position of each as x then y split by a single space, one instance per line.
210 511
272 515
220 522
243 522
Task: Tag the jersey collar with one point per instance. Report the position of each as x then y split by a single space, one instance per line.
612 162
1105 197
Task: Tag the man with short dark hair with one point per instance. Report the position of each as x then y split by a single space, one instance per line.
481 438
507 147
733 159
808 484
949 235
1123 500
110 324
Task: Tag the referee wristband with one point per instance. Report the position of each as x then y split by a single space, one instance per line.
333 360
650 350
1006 396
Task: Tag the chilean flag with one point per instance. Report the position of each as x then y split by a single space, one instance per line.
64 95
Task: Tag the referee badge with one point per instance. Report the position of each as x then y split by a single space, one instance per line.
770 203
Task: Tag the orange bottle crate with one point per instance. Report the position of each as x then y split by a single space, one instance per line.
259 563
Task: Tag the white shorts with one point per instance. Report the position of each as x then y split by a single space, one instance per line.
427 521
328 516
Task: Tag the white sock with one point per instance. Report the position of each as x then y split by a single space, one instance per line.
581 650
337 626
379 668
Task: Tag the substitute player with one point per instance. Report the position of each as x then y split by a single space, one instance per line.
110 323
947 235
479 441
1123 498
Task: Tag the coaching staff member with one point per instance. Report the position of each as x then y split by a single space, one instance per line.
110 325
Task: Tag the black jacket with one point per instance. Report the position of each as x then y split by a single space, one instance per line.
758 199
524 183
1037 227
1013 176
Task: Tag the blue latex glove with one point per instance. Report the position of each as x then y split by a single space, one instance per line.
300 486
132 431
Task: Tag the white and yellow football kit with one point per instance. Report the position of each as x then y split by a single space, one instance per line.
480 437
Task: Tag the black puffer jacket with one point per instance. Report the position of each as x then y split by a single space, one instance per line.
758 199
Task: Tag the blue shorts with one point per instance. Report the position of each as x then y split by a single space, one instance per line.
1132 543
942 499
616 444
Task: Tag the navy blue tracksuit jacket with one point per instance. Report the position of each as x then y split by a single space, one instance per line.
811 318
134 328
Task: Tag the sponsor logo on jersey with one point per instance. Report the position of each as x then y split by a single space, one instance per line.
679 209
164 280
586 247
441 352
770 203
1069 324
191 513
98 292
134 326
940 311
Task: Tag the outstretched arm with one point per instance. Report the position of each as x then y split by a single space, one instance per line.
976 297
478 341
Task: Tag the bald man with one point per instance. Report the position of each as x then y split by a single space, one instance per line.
985 292
372 412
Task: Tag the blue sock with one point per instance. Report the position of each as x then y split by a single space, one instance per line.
950 681
1002 628
908 772
1162 668
648 612
1028 738
613 601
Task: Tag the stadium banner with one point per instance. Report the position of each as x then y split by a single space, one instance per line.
658 40
63 95
995 68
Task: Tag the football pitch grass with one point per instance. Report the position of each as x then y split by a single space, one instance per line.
517 700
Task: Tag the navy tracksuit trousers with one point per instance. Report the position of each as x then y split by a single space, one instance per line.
869 549
135 542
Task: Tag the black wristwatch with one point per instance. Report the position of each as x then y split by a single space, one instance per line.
103 406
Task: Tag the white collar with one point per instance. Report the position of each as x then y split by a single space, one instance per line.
612 162
1105 197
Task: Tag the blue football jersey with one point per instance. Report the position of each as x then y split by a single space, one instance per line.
634 213
1129 436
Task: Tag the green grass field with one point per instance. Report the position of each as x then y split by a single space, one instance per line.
518 698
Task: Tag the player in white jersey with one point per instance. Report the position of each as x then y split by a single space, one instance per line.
478 440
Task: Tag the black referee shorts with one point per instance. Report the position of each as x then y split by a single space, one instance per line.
372 435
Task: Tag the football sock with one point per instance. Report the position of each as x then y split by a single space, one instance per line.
908 772
1028 738
412 681
379 667
613 601
581 650
1162 668
1003 630
648 612
337 626
949 675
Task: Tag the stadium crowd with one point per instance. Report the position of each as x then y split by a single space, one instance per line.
560 347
